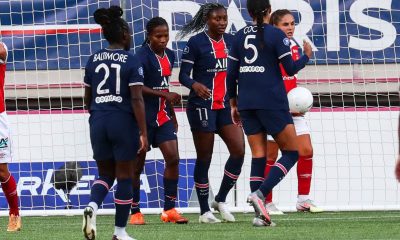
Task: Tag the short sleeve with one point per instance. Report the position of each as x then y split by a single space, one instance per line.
87 80
189 52
5 59
234 50
136 72
282 44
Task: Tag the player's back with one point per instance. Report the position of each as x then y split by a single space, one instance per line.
110 73
259 72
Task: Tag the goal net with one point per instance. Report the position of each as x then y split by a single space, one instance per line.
354 77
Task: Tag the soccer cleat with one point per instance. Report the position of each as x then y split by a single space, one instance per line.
258 205
259 222
173 216
272 209
308 206
208 217
137 219
122 237
222 208
14 223
89 224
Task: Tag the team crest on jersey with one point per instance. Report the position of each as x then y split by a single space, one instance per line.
286 41
3 143
186 49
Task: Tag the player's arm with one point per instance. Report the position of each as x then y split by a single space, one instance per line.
282 47
188 60
231 81
173 116
3 53
171 97
87 81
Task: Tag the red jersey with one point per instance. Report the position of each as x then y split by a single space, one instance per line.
291 81
2 79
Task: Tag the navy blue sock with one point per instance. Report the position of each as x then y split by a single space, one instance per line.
233 167
135 208
279 170
257 172
170 193
201 183
100 189
123 201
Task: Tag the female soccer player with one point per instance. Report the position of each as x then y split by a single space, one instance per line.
8 183
284 20
157 61
208 109
113 96
261 99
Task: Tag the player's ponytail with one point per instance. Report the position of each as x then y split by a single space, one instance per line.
277 16
199 21
151 25
258 9
112 24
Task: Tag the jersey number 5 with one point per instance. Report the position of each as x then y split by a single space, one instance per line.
106 75
251 46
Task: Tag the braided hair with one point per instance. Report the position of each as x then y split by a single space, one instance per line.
258 9
277 16
151 25
199 21
112 24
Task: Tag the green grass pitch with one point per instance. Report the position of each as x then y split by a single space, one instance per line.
330 225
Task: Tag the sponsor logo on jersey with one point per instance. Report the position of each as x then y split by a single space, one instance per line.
3 142
252 69
220 66
108 98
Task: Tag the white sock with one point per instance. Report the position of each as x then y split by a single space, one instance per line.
94 206
119 231
302 198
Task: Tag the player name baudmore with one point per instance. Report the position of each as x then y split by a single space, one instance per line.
114 56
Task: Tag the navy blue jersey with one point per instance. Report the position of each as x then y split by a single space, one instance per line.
157 72
208 59
110 73
255 70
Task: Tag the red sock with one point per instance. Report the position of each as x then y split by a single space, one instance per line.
10 191
268 166
304 174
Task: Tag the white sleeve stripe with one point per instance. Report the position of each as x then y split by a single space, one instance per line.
135 83
284 55
235 59
187 61
87 85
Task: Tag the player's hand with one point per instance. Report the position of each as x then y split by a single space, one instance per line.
307 49
173 98
201 90
236 116
397 168
144 144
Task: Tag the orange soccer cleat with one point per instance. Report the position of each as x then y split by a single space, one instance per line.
14 223
173 216
137 219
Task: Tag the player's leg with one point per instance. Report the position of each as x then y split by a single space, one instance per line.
137 218
232 135
169 150
9 188
272 154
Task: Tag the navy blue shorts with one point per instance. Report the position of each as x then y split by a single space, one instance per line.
207 120
158 135
114 136
271 122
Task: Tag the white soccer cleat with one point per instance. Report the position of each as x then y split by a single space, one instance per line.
258 222
208 217
308 206
272 209
122 237
258 205
89 224
222 208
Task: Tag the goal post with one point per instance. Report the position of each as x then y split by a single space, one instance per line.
354 78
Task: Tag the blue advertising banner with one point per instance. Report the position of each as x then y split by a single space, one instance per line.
36 190
48 34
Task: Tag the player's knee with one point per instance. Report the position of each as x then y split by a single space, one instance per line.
306 151
238 152
4 175
172 163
